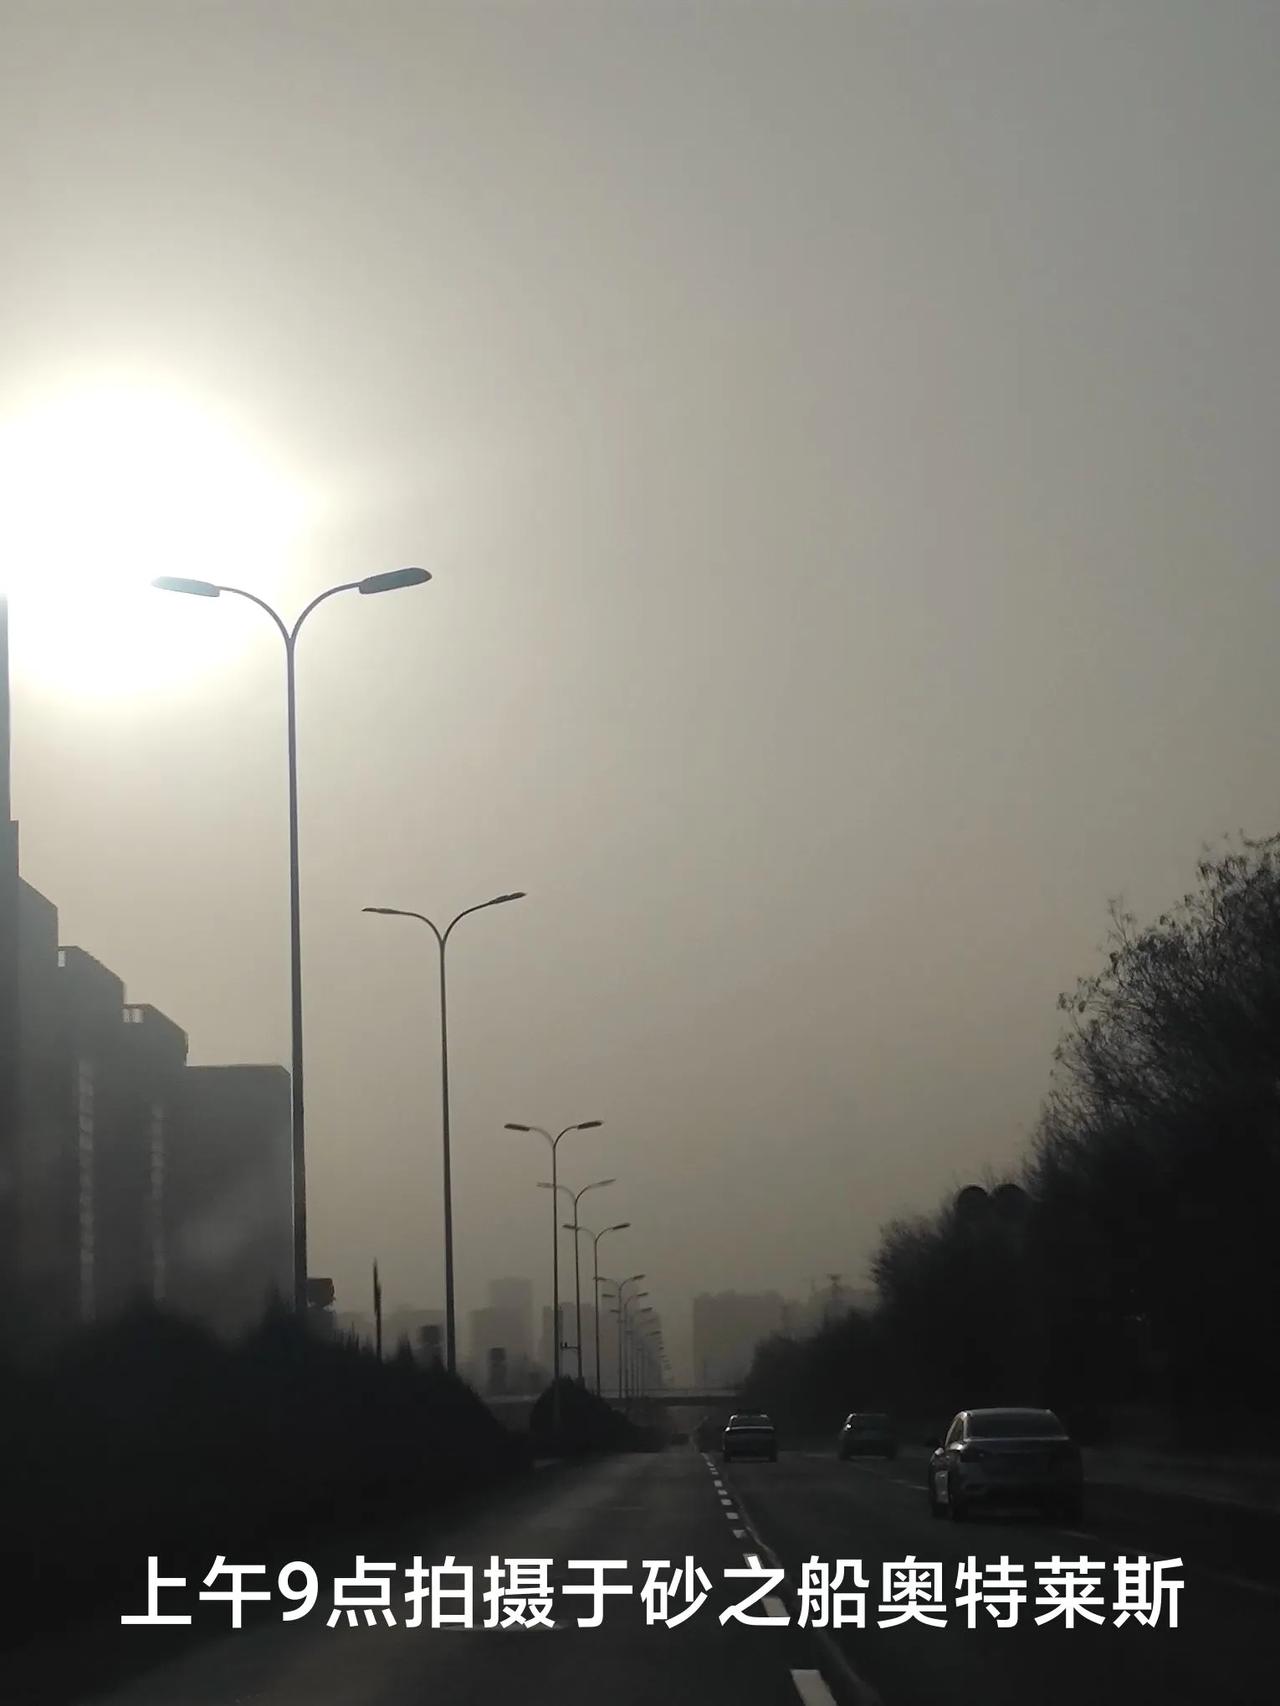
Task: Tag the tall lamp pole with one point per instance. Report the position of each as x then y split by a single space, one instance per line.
561 1191
442 942
583 1125
624 1304
575 1228
635 1345
390 582
597 1276
649 1360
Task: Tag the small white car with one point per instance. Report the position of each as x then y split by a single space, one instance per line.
750 1434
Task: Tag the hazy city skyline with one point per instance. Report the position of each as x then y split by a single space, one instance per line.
843 455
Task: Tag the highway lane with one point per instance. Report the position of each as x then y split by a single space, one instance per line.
1225 1648
661 1506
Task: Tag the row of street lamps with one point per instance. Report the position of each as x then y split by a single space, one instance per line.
631 1367
576 1227
390 582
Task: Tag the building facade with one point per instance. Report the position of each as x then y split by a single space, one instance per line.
136 1178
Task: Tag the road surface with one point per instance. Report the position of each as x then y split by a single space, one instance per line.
680 1504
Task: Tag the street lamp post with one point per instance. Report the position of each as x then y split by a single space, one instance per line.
624 1303
563 1191
390 582
636 1346
619 1313
583 1125
442 941
649 1360
575 1228
595 1237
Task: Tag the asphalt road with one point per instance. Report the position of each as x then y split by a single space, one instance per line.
1225 1647
682 1504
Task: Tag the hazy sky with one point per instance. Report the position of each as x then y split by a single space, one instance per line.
843 438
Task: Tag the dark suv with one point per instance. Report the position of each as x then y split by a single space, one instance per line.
866 1433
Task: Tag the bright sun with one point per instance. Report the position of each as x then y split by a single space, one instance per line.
101 489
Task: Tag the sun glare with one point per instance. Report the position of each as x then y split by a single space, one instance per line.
102 489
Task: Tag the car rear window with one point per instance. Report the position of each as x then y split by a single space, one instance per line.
750 1422
871 1424
1015 1424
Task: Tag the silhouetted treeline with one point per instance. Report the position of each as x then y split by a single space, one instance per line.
1132 1263
151 1437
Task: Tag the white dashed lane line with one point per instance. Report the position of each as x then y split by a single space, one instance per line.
812 1689
726 1504
854 1686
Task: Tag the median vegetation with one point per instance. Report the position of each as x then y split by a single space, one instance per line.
582 1424
1127 1269
151 1437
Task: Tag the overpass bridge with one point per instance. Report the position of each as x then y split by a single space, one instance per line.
674 1397
514 1405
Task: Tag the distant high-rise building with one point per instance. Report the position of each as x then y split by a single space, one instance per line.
47 1182
90 1002
421 1329
496 1372
97 1083
124 1174
490 1330
513 1299
132 1184
505 1324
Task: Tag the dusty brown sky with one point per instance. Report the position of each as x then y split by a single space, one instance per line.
843 438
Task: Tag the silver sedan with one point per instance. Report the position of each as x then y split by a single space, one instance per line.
1005 1457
